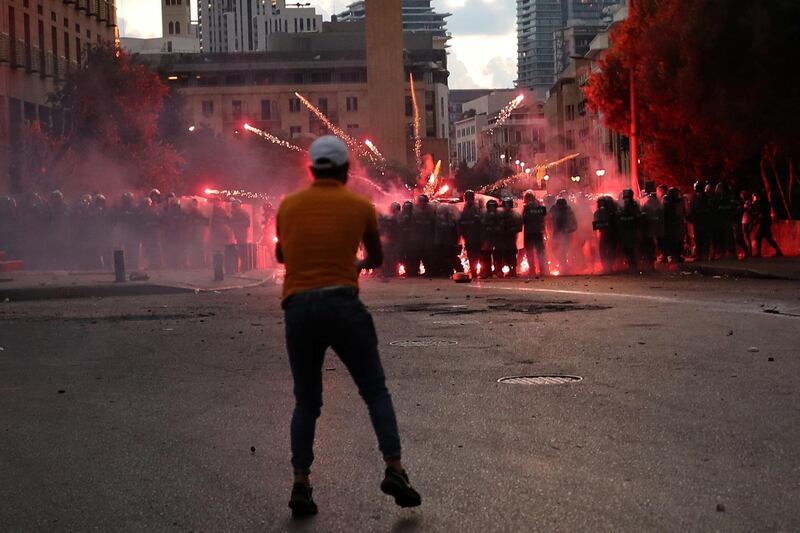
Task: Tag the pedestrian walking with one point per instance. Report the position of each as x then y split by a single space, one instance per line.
319 232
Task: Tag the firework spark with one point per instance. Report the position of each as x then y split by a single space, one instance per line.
417 128
271 138
509 181
374 149
506 111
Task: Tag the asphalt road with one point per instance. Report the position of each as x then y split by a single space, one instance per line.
140 413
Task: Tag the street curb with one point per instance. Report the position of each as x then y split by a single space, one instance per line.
111 290
707 270
87 291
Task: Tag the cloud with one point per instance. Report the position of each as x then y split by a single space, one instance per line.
479 17
502 70
459 76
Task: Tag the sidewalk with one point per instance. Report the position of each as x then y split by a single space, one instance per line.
764 268
46 285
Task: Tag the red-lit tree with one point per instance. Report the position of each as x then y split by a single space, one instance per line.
108 137
716 90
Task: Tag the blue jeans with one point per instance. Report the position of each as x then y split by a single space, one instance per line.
335 318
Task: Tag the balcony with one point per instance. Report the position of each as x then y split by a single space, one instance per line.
93 8
5 48
34 59
82 5
112 15
102 14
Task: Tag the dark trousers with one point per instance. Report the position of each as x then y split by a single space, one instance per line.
335 318
764 232
534 243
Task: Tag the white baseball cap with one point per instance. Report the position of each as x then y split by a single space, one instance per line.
328 151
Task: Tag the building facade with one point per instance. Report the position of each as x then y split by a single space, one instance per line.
418 16
225 91
537 24
248 25
40 42
178 32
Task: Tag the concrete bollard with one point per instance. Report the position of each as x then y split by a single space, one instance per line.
119 266
218 263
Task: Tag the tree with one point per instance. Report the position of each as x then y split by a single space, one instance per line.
716 91
109 136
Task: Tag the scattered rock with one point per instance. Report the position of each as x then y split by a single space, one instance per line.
770 358
730 333
753 349
252 449
61 391
720 508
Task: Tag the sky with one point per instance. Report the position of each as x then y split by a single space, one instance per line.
483 50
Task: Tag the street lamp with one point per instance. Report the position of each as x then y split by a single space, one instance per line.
527 171
546 177
191 128
600 172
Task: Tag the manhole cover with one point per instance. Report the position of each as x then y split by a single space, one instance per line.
455 322
423 342
540 380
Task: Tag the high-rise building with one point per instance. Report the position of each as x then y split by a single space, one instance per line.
537 23
418 16
247 25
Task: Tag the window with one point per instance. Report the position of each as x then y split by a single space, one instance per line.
171 28
237 109
409 106
266 110
294 105
208 108
352 128
569 140
177 28
294 131
570 112
352 103
78 49
302 23
295 25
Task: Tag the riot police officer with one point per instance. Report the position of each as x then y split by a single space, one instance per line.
701 218
492 225
512 226
446 244
564 224
405 226
422 234
151 232
651 230
604 222
674 224
469 227
534 215
724 234
389 224
628 229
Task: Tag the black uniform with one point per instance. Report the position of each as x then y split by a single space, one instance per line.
674 224
512 225
628 231
762 224
701 216
390 237
423 224
534 216
564 224
604 222
470 229
492 225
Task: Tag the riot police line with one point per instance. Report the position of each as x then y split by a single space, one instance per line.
154 230
572 234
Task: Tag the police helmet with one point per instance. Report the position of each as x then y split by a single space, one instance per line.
394 207
236 203
127 198
508 202
529 196
627 194
57 195
561 201
469 195
699 186
422 198
100 200
491 205
155 195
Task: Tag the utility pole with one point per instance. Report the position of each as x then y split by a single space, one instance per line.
634 133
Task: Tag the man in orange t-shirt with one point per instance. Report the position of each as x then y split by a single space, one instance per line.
319 232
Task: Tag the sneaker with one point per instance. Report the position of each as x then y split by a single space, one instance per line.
396 484
301 503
